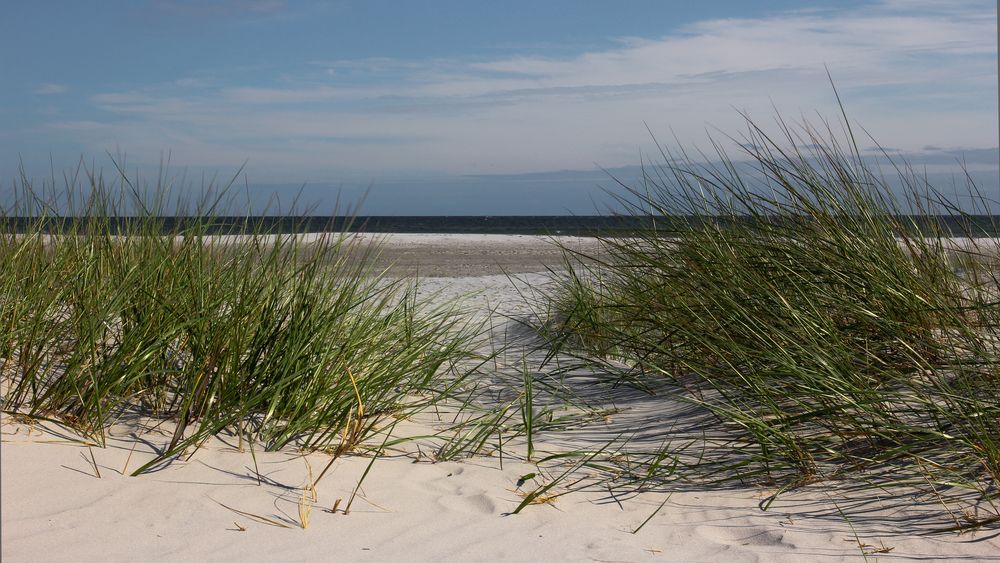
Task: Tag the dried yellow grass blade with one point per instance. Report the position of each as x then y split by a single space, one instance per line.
252 516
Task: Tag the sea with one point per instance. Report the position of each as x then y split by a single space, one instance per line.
976 226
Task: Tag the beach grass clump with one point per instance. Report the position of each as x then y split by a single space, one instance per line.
828 322
273 338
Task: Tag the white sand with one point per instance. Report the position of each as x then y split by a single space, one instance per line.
54 508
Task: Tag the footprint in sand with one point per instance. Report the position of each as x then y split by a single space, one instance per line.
739 535
451 494
468 504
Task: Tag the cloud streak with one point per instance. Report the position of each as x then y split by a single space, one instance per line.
49 89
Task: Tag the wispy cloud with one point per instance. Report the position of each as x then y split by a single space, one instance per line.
203 8
48 89
912 73
82 125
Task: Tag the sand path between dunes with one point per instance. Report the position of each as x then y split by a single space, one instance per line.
212 507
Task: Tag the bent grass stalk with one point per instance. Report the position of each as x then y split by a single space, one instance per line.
255 517
650 517
538 495
308 498
351 433
364 475
527 407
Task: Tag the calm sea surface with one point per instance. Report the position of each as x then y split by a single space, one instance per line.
579 225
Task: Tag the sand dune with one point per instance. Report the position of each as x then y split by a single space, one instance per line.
217 506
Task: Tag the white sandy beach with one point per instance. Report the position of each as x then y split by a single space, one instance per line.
212 506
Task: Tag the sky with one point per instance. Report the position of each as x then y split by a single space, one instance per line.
440 107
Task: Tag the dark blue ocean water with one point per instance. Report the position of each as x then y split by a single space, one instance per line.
578 225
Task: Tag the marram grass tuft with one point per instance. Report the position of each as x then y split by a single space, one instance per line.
827 323
277 338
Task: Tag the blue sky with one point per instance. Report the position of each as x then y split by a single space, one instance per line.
421 94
